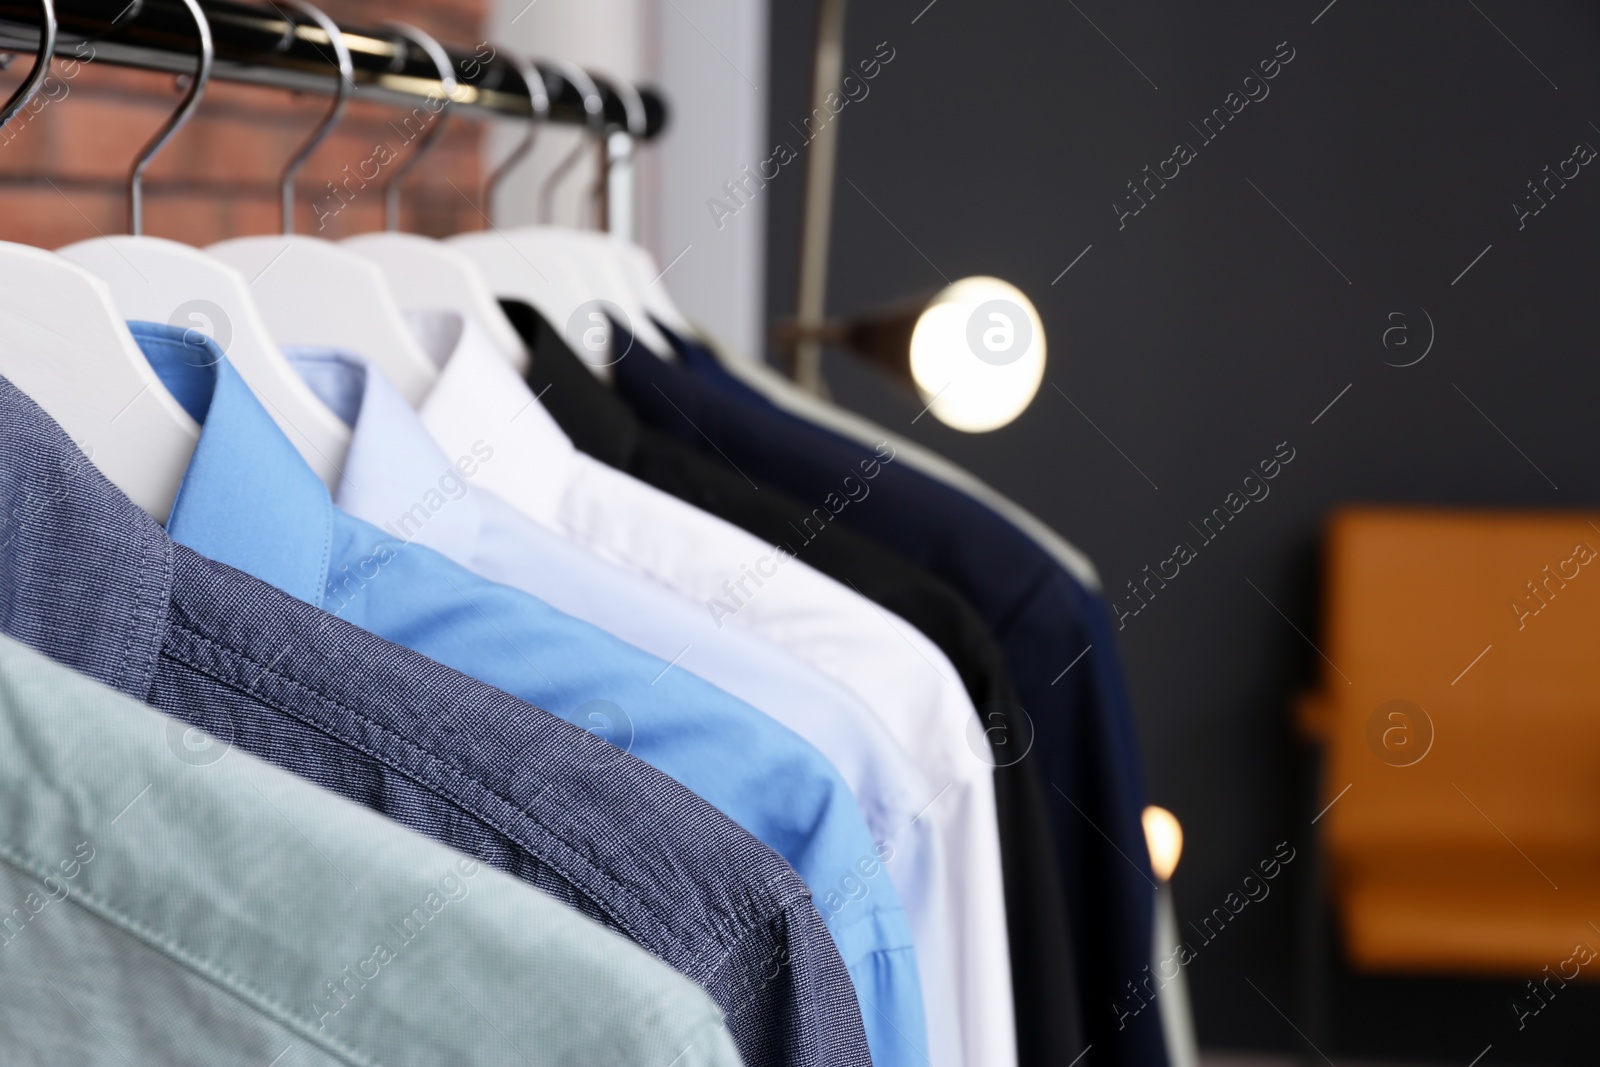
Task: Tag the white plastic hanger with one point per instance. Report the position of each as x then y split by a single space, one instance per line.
428 276
592 256
163 281
65 344
598 260
546 273
601 257
645 278
158 280
541 278
313 292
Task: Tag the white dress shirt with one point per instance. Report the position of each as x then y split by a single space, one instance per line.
393 463
739 580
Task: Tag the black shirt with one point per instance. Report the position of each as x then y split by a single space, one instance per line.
602 425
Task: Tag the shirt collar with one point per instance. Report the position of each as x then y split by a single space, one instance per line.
598 421
394 473
86 574
248 499
479 404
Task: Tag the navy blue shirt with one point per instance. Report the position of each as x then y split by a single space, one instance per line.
1041 616
90 580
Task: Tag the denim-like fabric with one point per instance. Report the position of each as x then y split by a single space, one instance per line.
1043 619
93 582
196 906
724 750
393 462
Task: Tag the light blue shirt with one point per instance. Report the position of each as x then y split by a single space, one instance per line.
393 463
250 501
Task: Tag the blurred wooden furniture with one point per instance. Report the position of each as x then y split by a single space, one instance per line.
1464 827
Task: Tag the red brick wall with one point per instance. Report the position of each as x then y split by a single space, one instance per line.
64 162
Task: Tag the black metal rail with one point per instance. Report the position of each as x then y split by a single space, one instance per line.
269 46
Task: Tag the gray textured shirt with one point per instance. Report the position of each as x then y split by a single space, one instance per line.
165 899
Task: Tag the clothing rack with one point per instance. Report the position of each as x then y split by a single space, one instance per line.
268 46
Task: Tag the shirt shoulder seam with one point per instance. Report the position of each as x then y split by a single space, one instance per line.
445 793
415 748
192 961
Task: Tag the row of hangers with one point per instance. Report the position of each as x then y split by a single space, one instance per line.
63 333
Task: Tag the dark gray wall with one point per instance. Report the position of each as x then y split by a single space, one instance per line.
1209 329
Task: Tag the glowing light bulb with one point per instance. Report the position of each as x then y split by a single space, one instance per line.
1164 837
977 354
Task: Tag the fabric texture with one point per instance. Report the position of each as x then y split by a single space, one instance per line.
783 393
410 594
395 474
1047 1011
603 427
892 667
176 902
91 581
1056 635
393 462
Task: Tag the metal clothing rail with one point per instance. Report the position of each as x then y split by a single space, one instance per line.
268 45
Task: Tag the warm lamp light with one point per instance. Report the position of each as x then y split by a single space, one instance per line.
977 354
974 353
1164 837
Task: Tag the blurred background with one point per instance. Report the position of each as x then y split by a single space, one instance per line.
1376 257
1247 295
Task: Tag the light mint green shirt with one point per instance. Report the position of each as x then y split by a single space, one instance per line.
167 900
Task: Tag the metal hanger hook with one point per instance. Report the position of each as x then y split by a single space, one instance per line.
594 106
633 104
539 99
191 101
341 52
41 64
447 85
619 145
